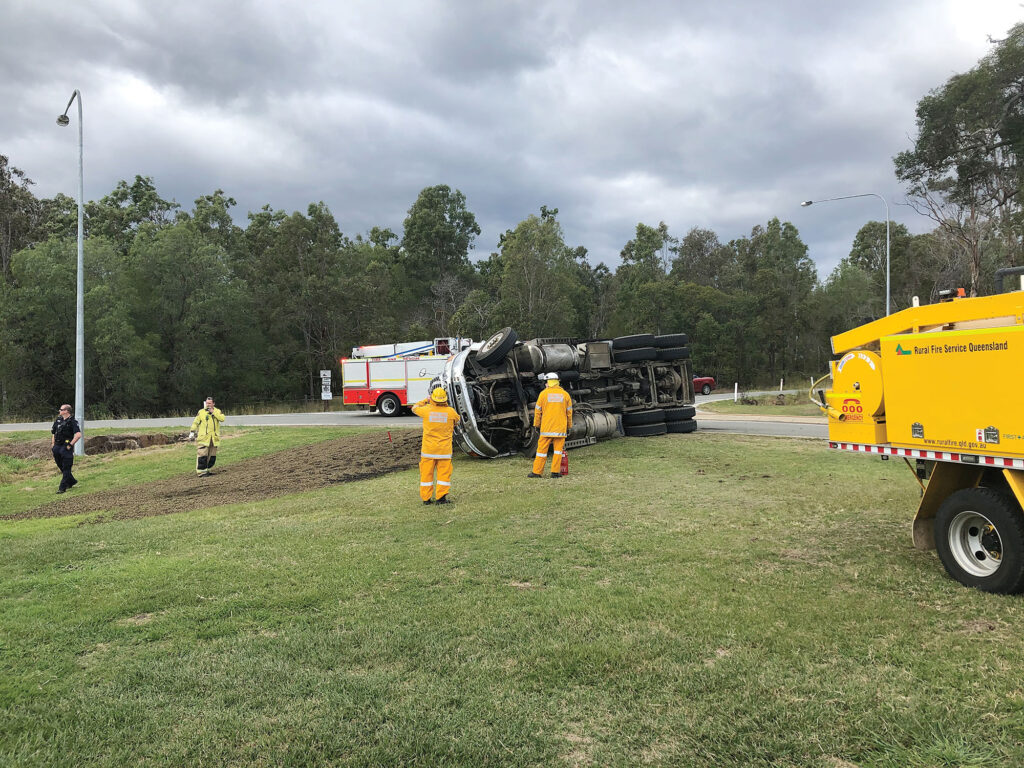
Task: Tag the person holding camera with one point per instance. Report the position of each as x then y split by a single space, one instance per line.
65 433
206 433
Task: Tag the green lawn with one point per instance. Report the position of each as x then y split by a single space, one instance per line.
682 600
766 405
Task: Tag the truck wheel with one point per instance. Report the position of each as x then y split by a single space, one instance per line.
979 534
706 389
674 353
636 418
683 426
389 405
495 349
638 355
646 430
680 414
632 342
671 340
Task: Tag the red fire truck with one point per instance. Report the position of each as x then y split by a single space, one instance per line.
389 377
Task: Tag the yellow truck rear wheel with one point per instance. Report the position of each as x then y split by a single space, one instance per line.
979 535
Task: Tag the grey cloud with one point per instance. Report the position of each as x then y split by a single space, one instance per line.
718 115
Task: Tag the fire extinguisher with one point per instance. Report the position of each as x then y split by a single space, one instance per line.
565 462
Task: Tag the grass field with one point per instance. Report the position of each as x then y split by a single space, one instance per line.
681 600
766 405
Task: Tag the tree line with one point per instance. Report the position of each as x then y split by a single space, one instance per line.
181 303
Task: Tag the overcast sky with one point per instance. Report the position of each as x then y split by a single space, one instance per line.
712 114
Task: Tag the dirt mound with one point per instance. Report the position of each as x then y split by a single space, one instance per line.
298 469
40 449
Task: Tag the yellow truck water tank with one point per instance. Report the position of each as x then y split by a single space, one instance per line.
956 390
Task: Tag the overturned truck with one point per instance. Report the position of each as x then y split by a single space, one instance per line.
637 385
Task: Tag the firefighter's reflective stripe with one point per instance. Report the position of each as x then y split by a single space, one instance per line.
552 434
443 482
542 455
429 485
435 455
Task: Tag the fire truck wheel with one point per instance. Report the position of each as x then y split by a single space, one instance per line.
680 414
389 405
681 427
636 418
632 342
979 534
646 430
706 389
638 355
496 348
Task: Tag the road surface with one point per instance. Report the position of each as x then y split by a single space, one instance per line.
741 425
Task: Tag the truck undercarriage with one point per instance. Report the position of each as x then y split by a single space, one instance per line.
634 385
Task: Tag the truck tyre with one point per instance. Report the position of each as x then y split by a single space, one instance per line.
638 355
683 426
389 405
706 389
636 418
671 340
632 342
646 430
979 535
680 414
496 348
674 353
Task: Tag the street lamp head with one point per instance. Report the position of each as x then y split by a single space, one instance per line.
805 203
63 120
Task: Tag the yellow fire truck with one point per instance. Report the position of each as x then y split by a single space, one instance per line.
941 385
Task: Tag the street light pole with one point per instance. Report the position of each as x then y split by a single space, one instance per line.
806 203
79 301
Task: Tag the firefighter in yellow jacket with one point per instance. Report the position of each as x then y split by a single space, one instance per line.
439 422
553 414
206 433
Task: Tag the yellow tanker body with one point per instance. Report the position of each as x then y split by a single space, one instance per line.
942 384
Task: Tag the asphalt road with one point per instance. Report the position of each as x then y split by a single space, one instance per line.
740 425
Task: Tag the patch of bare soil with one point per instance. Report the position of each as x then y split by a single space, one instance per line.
298 469
40 449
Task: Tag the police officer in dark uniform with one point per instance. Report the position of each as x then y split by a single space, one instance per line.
65 434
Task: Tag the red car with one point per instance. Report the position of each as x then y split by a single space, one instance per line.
703 384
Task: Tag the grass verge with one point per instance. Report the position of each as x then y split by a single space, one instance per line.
681 600
765 405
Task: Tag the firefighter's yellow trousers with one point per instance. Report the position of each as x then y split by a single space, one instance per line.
444 477
543 443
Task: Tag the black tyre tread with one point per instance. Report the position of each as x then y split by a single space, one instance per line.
568 375
1001 507
680 414
633 342
681 427
647 430
637 418
671 340
502 346
638 355
674 353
